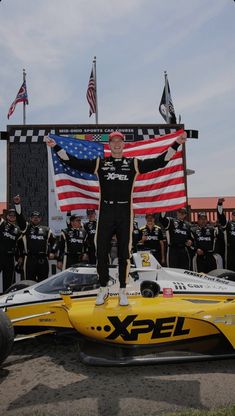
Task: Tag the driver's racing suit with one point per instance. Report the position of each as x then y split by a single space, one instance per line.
116 178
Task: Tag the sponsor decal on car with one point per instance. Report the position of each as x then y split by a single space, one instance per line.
160 328
207 277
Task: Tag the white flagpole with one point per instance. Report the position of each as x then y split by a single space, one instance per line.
24 103
96 92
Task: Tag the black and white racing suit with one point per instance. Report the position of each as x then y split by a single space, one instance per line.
35 243
153 241
229 238
205 239
71 246
90 228
116 178
178 233
9 237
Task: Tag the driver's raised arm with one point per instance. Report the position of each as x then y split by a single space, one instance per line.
147 165
84 165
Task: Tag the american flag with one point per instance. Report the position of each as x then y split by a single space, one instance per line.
161 190
22 96
91 94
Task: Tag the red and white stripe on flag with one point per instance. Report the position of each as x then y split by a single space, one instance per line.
163 189
91 94
156 191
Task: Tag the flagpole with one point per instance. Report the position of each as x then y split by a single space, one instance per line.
96 94
166 98
24 103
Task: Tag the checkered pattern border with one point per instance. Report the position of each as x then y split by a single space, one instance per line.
29 135
36 135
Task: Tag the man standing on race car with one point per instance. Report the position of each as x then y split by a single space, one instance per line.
179 239
116 176
229 235
9 235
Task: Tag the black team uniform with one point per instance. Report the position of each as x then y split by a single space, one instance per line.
135 236
9 235
229 237
178 232
116 177
153 237
71 246
34 244
90 228
205 239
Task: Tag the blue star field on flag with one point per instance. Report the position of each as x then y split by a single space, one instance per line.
81 149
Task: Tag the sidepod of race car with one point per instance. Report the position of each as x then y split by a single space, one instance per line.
149 330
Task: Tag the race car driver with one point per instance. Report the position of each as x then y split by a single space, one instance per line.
116 176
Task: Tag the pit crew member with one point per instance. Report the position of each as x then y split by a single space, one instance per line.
9 236
151 238
36 244
90 228
179 239
229 235
205 236
71 244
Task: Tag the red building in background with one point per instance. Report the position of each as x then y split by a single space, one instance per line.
209 204
3 206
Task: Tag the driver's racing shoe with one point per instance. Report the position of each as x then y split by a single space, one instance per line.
123 301
102 296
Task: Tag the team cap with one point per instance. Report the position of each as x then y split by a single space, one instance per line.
35 214
75 217
183 210
90 211
11 211
149 215
116 134
202 214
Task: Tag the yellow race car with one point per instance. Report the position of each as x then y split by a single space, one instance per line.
173 314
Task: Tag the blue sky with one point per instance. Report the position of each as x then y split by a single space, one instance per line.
134 41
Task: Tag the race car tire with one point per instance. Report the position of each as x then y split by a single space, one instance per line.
6 336
226 274
20 285
149 289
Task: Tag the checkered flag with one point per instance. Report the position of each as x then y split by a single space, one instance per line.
96 137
